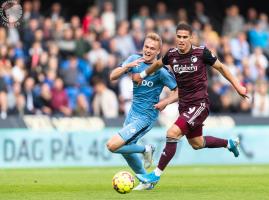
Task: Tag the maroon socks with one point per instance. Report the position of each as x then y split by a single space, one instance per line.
213 142
167 154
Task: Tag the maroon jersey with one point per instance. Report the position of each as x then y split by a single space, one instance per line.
191 74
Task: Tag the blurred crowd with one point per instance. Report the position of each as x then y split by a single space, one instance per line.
59 65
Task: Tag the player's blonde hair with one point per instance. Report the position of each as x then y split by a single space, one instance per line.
155 37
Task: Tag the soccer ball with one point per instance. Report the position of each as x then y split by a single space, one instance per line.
123 182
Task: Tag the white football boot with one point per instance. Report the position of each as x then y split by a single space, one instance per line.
148 156
144 186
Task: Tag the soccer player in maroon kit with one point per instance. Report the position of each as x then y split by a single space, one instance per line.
189 64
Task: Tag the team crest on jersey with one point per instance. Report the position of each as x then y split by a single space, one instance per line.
174 61
194 59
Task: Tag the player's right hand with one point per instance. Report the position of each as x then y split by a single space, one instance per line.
242 91
137 79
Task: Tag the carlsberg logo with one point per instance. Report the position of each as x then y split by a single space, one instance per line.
184 68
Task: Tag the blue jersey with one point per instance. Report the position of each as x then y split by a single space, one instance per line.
146 95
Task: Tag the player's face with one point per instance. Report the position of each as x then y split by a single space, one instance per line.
151 49
183 40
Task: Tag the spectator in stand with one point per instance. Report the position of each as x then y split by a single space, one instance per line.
258 37
43 102
29 96
233 22
108 18
81 45
125 44
137 35
167 30
239 47
161 13
263 20
59 99
18 71
149 26
261 100
211 38
56 12
97 53
28 33
199 10
47 29
252 18
105 101
36 9
57 34
75 22
67 44
142 16
182 16
27 12
92 21
258 64
16 100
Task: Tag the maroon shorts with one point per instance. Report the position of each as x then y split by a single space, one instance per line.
191 120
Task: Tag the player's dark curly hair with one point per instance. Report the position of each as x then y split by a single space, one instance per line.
185 27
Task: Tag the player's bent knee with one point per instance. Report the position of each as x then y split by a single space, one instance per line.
111 147
174 132
196 146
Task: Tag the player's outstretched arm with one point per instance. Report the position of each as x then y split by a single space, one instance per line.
119 71
172 98
152 68
241 90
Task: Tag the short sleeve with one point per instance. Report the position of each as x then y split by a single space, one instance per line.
208 57
165 59
168 79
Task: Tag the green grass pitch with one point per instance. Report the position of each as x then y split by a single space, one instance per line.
183 183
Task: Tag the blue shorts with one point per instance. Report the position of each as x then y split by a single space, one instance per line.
135 128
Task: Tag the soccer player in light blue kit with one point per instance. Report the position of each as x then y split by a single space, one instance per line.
145 107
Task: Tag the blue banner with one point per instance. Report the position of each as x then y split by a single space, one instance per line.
25 148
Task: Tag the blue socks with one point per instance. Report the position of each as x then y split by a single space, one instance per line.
130 154
135 163
130 148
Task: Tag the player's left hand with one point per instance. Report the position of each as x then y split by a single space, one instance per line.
242 91
160 106
136 78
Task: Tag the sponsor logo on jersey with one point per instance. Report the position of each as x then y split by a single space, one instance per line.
147 83
184 68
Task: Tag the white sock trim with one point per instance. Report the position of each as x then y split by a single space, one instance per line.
147 148
158 172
